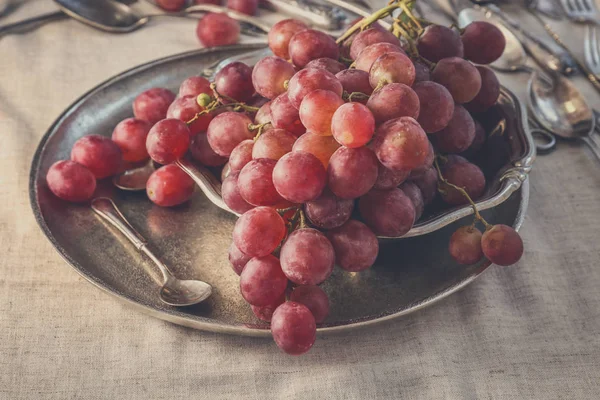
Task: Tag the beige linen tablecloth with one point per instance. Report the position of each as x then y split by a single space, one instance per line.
524 332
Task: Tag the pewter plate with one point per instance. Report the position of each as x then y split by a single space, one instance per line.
409 274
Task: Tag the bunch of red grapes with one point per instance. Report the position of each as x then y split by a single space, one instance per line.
335 155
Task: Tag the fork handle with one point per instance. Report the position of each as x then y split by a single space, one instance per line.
56 15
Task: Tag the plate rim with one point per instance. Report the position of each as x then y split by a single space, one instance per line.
174 315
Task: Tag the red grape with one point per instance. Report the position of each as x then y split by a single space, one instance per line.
355 246
307 257
235 80
263 115
171 5
483 42
168 140
299 177
426 164
459 76
489 92
478 141
352 172
354 80
414 194
71 181
436 106
465 245
464 175
309 44
371 36
241 155
169 186
321 147
231 194
280 35
314 298
130 135
247 7
328 211
327 64
237 259
309 80
259 231
285 116
269 76
439 42
388 179
427 183
353 125
194 85
458 135
265 313
293 327
387 212
202 152
502 245
255 183
99 154
185 109
369 54
262 282
453 159
392 68
273 144
316 111
217 29
422 72
401 144
227 130
152 105
394 100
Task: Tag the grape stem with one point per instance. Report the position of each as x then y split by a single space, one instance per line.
355 95
303 223
260 127
282 211
360 25
237 105
404 6
464 193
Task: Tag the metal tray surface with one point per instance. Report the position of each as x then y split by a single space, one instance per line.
409 274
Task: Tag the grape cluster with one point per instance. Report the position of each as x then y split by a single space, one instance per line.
323 153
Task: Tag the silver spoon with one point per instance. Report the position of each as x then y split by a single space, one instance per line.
174 292
559 107
112 16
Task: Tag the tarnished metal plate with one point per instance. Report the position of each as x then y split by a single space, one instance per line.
193 239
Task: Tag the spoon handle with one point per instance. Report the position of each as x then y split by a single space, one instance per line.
108 211
209 185
594 147
10 28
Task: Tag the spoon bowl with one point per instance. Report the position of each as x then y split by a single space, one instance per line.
181 293
174 292
558 106
114 17
105 15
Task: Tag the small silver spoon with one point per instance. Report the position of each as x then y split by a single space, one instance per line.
559 107
112 16
134 180
174 292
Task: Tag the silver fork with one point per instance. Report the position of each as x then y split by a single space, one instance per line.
581 10
592 50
